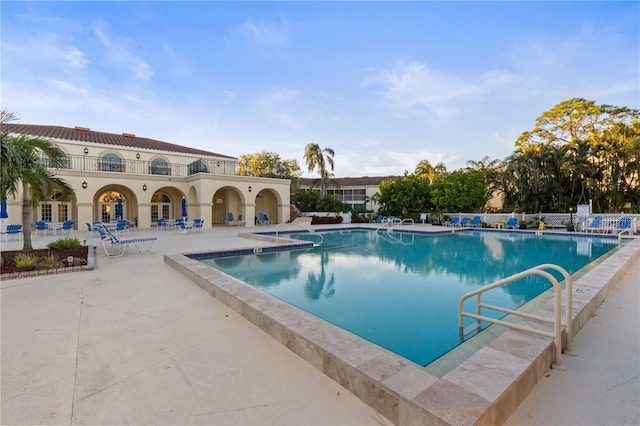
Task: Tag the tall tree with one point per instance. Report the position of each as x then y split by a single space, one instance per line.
320 158
426 171
21 165
268 164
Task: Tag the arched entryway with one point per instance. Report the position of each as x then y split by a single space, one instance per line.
105 204
267 202
226 200
166 203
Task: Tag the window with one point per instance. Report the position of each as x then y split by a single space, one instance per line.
63 212
160 167
47 212
111 163
44 158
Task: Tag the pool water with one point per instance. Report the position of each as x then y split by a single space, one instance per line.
401 290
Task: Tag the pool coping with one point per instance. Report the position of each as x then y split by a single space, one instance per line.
483 389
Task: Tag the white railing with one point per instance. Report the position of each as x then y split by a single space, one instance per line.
556 321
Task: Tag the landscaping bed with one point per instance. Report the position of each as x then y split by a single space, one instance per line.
80 258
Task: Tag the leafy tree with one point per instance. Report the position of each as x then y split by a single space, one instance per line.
268 164
426 171
577 151
21 166
320 158
460 190
306 201
409 193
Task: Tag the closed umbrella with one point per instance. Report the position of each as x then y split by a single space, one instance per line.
119 208
3 210
184 208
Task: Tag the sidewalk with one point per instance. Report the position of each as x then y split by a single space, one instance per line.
135 342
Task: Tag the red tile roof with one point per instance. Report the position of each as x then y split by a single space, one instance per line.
349 181
84 134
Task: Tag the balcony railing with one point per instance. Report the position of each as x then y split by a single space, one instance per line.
142 167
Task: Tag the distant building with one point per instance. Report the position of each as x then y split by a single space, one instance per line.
356 191
151 177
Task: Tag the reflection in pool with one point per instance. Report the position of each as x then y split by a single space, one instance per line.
400 290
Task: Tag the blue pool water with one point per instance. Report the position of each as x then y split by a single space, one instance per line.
401 291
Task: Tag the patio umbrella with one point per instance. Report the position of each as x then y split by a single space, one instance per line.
184 208
3 210
119 208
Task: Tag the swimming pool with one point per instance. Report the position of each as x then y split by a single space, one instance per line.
400 290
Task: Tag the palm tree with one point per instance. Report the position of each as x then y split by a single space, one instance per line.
319 158
21 166
426 171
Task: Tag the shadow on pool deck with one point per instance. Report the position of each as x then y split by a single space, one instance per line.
134 341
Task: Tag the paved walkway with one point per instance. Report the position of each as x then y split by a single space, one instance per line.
134 342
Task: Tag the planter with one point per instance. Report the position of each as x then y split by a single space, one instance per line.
80 257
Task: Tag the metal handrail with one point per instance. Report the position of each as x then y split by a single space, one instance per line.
311 231
556 321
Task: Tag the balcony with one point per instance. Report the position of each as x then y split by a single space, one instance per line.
141 167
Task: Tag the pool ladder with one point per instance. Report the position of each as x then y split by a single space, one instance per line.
556 321
309 230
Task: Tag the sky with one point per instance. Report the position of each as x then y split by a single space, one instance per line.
383 84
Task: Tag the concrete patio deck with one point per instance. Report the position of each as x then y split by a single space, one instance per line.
134 341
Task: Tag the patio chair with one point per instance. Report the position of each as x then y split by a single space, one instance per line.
379 219
263 219
455 221
476 222
122 227
512 223
185 226
465 222
230 219
42 226
595 225
12 230
115 247
91 229
67 227
624 225
198 224
162 223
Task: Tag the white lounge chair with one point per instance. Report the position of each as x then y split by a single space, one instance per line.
115 247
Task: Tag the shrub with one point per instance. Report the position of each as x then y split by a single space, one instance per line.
68 243
326 220
25 261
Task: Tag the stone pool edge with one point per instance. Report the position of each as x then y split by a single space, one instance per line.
484 389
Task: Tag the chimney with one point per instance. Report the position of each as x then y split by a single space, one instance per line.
82 129
128 135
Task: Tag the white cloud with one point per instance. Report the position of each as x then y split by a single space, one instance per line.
411 88
49 48
266 33
121 54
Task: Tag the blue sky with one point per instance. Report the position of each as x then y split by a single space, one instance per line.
385 84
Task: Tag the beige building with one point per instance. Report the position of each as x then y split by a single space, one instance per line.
355 191
151 177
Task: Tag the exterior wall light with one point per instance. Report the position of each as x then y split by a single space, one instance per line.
218 164
138 156
86 150
250 188
144 187
84 183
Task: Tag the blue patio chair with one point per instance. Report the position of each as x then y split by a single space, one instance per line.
12 230
379 219
198 224
595 225
162 224
91 229
185 226
230 219
455 221
624 225
42 226
115 247
476 222
512 223
67 227
464 221
122 226
263 219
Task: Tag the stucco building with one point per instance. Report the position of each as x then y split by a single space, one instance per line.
151 177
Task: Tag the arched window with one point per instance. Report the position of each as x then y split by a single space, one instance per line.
160 206
111 163
160 167
44 158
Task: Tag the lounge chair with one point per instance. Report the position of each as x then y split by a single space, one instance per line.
595 225
624 225
464 222
115 247
12 230
512 223
476 222
379 219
